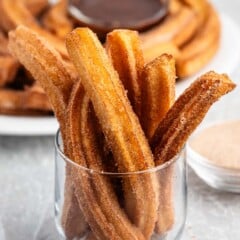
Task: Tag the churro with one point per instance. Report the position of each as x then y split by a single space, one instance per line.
187 113
158 92
46 66
172 133
119 123
94 193
124 49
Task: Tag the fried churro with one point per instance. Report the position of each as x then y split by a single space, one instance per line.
95 193
181 120
158 92
119 123
47 67
172 133
124 49
187 113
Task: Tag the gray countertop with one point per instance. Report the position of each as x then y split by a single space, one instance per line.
27 183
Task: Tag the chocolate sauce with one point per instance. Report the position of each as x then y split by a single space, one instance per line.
109 14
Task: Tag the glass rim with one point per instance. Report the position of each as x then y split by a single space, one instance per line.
93 171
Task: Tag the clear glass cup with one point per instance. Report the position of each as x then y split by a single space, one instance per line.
88 201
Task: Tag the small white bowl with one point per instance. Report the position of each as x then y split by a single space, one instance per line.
215 176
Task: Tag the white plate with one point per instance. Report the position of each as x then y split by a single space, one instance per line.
225 61
228 56
28 126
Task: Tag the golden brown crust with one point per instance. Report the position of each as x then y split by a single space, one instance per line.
119 123
186 114
124 49
158 92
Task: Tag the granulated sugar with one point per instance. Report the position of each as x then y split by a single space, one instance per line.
220 144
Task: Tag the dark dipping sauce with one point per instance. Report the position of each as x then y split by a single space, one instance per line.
106 15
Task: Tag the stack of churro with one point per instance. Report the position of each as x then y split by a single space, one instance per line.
115 106
19 92
190 32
